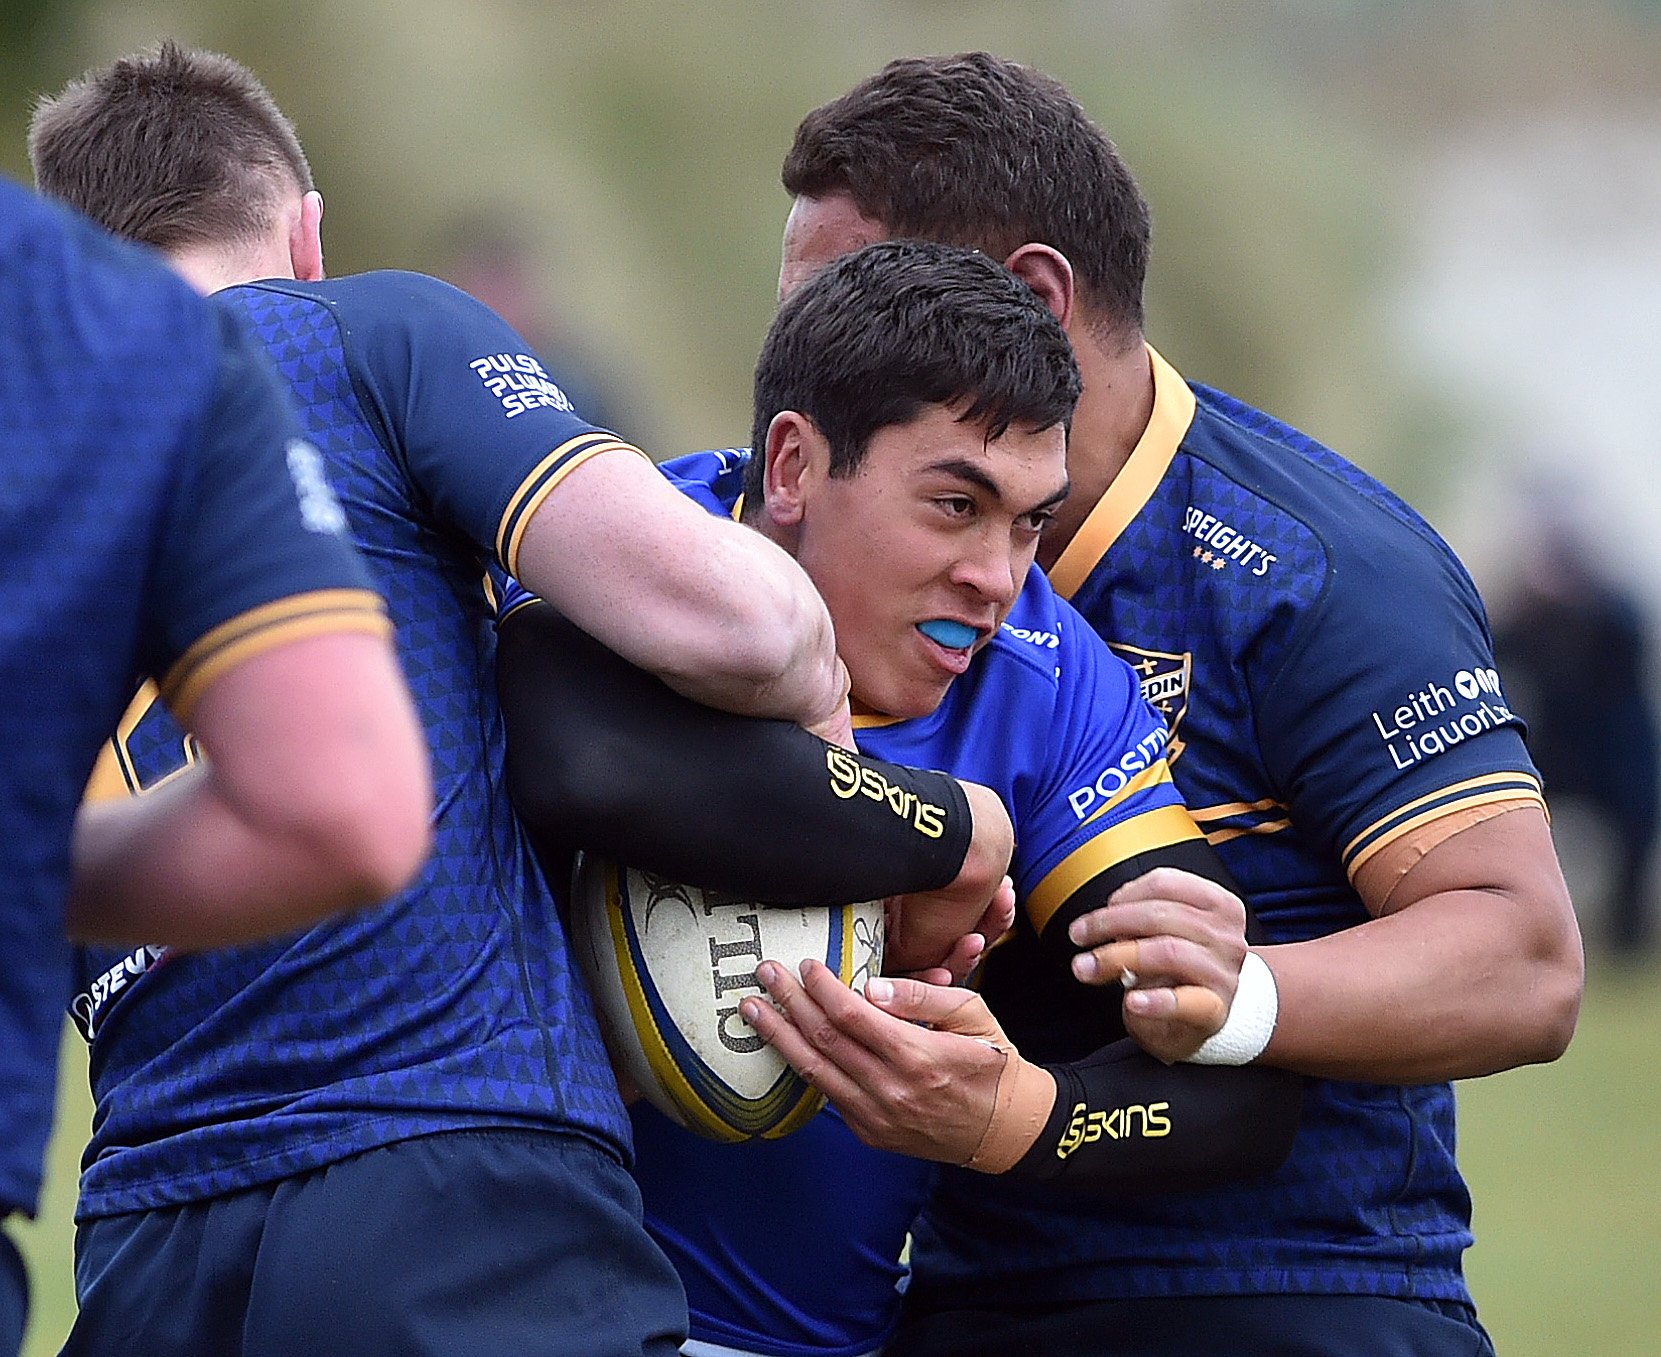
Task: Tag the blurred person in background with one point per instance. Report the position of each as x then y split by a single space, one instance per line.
1324 665
1574 646
407 1121
161 514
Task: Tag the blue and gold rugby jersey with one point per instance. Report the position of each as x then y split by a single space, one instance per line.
1325 668
149 523
792 1247
454 1004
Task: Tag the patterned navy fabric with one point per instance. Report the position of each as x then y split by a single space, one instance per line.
1325 667
145 501
454 1004
1043 716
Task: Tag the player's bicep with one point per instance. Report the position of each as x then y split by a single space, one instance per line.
624 554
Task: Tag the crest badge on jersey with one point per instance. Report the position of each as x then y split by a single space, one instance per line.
1165 679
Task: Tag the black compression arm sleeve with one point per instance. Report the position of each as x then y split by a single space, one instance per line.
604 756
1125 1124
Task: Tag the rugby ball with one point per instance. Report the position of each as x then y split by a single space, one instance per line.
668 965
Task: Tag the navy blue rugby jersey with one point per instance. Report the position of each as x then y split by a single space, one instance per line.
1050 720
454 1004
156 517
1325 668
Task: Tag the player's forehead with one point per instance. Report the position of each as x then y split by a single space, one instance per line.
938 448
819 230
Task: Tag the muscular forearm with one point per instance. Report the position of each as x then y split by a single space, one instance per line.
1473 963
1456 986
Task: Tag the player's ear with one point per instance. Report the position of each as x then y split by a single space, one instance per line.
796 454
1046 271
305 239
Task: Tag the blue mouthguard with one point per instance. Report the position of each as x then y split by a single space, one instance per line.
952 635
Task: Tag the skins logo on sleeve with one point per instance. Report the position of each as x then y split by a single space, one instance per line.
850 778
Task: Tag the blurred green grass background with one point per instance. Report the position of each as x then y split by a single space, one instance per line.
1564 1163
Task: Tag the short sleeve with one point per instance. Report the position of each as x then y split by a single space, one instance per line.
485 433
713 479
1387 711
254 552
1105 794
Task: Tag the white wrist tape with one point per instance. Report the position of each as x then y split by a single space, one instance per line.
1250 1022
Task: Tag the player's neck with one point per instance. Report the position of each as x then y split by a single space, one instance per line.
1111 417
208 268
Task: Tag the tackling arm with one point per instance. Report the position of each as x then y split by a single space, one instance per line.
714 609
602 755
958 1090
1472 963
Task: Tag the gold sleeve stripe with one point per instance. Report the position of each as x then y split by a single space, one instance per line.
1488 787
1522 796
1151 776
528 486
1157 828
113 774
1173 413
1228 808
537 486
272 624
519 603
1217 836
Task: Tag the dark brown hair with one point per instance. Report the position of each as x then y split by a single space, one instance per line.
171 147
876 337
976 150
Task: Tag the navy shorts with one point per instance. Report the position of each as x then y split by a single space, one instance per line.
453 1245
1201 1326
14 1295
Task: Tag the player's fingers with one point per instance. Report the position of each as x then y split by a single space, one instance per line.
1110 963
856 1034
999 917
966 954
797 1032
1193 1014
1217 924
1193 1007
1165 900
1164 960
914 1001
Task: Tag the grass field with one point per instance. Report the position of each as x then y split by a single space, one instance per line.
1564 1162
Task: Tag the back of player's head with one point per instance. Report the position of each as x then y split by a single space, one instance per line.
879 335
173 147
980 151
